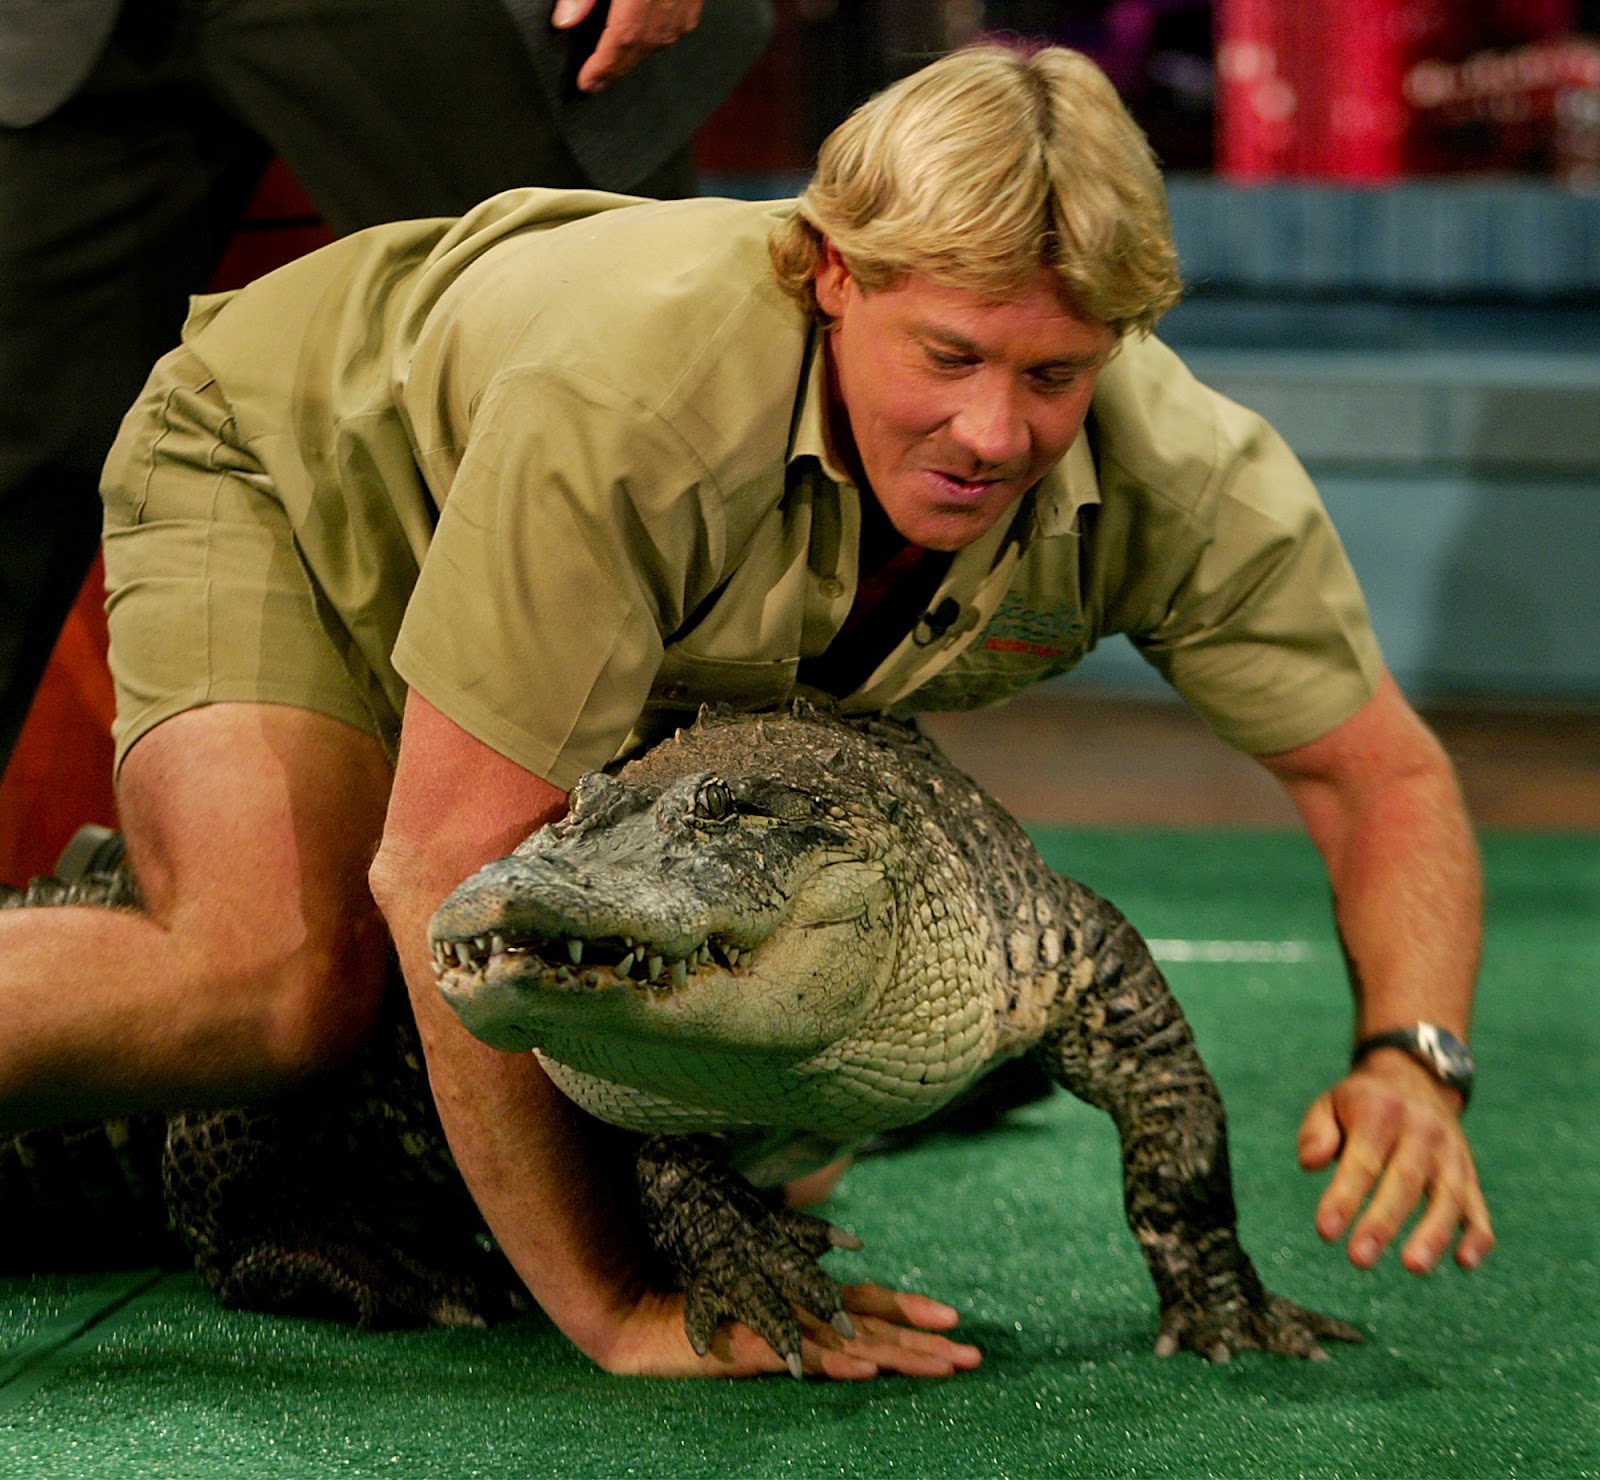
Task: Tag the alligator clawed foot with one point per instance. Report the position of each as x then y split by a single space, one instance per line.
735 1256
1269 1324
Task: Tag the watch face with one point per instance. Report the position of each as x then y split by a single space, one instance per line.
1447 1053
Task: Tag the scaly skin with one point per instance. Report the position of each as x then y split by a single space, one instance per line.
794 931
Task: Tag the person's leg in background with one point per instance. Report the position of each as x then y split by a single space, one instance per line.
412 109
113 211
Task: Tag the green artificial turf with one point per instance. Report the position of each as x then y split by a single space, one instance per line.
1492 1374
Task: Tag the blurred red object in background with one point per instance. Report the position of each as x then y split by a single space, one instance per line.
1371 91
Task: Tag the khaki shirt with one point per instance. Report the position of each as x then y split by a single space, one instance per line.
619 427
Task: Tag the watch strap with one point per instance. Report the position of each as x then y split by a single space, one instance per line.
1437 1049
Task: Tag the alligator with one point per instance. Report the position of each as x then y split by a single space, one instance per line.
755 947
776 936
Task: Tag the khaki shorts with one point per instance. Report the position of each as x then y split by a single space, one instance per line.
208 598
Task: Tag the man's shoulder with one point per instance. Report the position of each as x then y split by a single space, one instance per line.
1159 432
670 307
592 239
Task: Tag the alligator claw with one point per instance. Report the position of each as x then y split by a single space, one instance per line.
736 1257
1267 1323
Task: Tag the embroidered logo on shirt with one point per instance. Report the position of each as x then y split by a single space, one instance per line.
1019 628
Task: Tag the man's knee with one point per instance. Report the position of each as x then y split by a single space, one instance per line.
250 830
317 1008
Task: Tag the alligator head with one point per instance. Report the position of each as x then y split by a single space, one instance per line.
733 913
767 921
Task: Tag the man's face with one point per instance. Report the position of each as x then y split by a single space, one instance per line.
949 404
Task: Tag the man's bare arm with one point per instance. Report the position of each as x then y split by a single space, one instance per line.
1380 800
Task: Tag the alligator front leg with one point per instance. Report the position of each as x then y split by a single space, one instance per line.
735 1256
1122 1044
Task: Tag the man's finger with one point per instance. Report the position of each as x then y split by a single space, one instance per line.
1320 1137
1360 1165
568 13
1478 1239
634 30
888 1346
901 1306
1412 1170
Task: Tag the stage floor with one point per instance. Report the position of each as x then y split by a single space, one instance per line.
140 1375
1063 754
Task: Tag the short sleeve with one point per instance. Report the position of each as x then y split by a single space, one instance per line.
575 533
1219 561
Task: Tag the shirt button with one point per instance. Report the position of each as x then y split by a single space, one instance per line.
830 587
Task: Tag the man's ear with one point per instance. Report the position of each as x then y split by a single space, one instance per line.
832 281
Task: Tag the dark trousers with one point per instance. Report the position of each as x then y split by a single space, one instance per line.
117 207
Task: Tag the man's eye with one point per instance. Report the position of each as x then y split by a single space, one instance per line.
1055 380
944 359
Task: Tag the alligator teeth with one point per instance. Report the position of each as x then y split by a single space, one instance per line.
680 973
563 973
625 965
463 954
497 945
654 968
575 951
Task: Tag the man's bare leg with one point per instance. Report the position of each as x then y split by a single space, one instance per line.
261 957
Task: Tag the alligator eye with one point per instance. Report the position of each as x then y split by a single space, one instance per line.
714 801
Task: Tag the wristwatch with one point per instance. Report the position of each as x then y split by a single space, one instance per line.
1437 1049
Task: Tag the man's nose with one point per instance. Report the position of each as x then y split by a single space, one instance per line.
990 423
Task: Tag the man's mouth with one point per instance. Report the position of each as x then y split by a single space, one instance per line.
964 490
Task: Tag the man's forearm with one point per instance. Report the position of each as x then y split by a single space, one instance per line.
1407 887
1408 899
1380 801
536 1166
550 1183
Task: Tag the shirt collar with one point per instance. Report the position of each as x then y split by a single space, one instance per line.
808 435
1067 488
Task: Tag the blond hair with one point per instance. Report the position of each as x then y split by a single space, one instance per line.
980 169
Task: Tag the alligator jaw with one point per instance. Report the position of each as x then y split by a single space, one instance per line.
572 962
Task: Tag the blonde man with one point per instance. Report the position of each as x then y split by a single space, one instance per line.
409 535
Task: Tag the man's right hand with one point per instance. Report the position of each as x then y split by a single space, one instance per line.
895 1332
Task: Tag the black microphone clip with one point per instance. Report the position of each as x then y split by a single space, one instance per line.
935 622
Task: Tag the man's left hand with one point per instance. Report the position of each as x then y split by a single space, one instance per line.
1396 1133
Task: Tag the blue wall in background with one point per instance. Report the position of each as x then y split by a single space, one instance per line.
1432 352
1465 483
